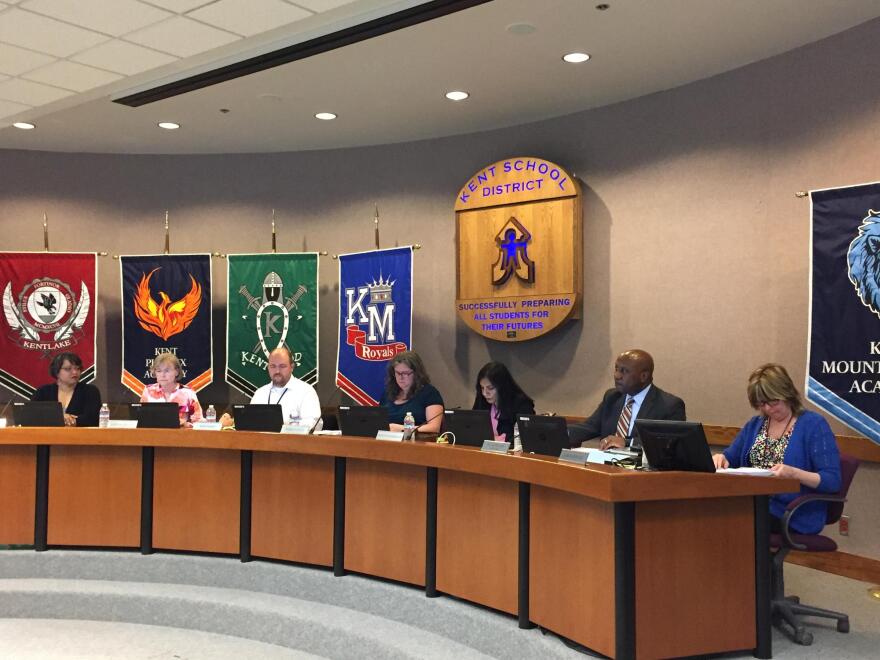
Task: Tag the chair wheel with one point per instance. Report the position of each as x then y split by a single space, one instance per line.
803 637
843 626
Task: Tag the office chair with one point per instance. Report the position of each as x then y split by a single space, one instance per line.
788 609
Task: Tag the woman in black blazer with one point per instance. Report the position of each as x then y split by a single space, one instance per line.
499 393
81 401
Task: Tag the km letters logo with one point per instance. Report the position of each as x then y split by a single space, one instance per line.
46 316
513 256
376 343
272 313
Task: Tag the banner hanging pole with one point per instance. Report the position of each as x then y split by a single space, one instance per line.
45 232
274 250
376 222
167 234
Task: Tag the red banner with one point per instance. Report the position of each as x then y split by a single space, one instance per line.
48 308
372 352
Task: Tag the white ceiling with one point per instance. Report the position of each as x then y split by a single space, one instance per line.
63 61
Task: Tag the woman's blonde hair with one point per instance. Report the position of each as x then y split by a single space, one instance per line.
771 382
165 359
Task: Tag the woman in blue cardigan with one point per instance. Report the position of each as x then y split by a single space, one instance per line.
789 441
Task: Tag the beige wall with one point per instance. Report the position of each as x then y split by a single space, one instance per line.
696 247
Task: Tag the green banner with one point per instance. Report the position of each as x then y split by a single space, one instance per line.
272 301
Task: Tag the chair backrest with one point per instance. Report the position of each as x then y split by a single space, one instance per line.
848 467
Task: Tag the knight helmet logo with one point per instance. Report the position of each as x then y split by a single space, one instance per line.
165 318
864 262
270 311
46 306
513 257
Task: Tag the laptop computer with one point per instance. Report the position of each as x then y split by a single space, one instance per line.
363 421
38 413
670 445
161 415
470 427
543 434
267 417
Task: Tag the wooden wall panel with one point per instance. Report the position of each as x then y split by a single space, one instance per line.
477 539
95 496
18 478
292 508
571 565
197 499
695 577
385 507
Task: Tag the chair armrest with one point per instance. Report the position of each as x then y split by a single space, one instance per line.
797 503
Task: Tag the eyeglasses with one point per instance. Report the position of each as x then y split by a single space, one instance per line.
403 374
770 403
71 368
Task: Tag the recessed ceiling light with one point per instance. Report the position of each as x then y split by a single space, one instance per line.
23 125
457 95
326 116
576 58
168 125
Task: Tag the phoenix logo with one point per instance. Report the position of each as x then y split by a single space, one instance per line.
165 318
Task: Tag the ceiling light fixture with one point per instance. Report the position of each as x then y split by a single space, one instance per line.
326 116
24 125
457 95
168 125
576 58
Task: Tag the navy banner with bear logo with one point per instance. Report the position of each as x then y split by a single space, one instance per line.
844 344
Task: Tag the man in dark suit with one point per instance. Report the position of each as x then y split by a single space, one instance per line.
634 396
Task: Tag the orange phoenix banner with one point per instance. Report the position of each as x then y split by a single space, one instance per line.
166 308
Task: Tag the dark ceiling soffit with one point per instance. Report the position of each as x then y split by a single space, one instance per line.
352 35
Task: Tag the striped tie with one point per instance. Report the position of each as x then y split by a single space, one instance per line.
625 417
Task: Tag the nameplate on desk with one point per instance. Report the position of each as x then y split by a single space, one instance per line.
572 456
394 436
2 422
296 429
495 446
602 457
122 424
207 426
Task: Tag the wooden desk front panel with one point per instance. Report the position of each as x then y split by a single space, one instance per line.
292 507
95 496
571 567
477 539
18 488
197 499
695 576
385 520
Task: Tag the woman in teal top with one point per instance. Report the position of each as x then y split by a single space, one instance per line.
408 389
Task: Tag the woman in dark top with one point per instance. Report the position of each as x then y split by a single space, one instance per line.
500 394
408 389
81 402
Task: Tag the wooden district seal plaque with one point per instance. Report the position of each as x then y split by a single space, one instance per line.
519 249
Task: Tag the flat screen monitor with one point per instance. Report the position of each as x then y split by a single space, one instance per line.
266 417
672 445
38 413
470 427
363 421
161 415
543 434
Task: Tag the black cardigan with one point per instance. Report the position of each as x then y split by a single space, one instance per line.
522 405
85 402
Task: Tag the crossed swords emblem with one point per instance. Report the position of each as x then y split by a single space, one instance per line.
262 304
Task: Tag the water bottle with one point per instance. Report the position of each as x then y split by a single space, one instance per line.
211 414
104 416
409 425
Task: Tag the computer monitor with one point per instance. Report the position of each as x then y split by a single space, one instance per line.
670 445
543 434
470 427
363 421
266 417
38 413
162 415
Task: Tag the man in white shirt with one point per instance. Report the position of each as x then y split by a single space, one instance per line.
298 400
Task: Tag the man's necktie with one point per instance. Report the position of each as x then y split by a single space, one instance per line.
625 418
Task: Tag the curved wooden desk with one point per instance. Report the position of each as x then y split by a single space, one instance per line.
629 564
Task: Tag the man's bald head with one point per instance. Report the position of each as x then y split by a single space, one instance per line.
633 371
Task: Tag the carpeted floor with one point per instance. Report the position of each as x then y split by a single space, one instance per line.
87 605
